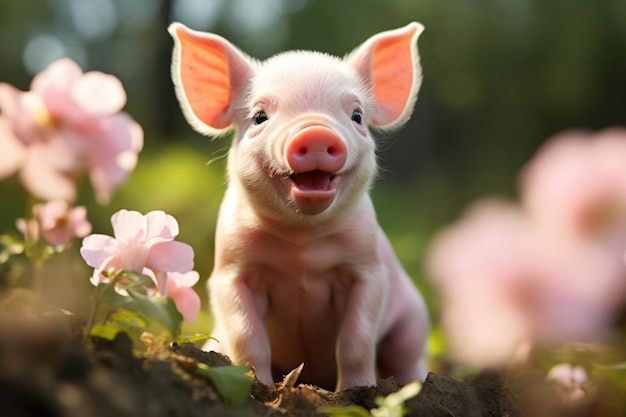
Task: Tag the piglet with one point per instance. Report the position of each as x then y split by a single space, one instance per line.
303 272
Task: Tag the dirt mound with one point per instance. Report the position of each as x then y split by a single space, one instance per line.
46 372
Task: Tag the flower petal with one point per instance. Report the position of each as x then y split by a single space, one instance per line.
42 180
78 219
170 257
95 249
13 151
133 256
186 299
162 282
99 93
59 224
115 143
60 75
9 99
96 278
49 213
109 264
188 279
161 225
128 225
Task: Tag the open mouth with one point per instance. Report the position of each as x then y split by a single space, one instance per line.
313 191
312 181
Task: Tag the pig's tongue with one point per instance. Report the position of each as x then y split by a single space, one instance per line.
313 180
313 191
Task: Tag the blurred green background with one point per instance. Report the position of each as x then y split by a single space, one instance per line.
500 77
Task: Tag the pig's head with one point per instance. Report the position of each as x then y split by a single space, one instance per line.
302 147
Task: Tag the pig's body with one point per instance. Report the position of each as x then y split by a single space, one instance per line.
304 284
303 273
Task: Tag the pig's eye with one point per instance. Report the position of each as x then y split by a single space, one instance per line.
357 117
260 117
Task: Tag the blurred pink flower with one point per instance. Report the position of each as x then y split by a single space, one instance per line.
571 379
480 266
68 124
580 292
29 228
56 222
574 189
507 283
576 185
141 241
59 224
545 272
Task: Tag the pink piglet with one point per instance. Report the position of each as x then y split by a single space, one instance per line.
303 272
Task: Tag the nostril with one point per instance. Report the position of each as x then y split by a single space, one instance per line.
315 148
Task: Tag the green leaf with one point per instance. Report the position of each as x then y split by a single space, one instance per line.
136 277
611 367
109 297
349 411
133 281
105 331
232 382
158 308
9 246
392 404
196 338
129 319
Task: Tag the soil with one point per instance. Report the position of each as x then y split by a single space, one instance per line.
46 371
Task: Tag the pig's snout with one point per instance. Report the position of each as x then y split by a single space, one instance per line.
315 154
316 148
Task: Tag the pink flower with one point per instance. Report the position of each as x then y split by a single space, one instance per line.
543 273
574 189
480 266
180 289
508 283
56 223
59 224
141 241
68 124
576 184
572 381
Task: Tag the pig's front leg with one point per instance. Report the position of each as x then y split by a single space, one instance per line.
240 329
356 343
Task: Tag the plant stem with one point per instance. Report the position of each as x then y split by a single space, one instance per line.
94 310
34 246
92 319
37 282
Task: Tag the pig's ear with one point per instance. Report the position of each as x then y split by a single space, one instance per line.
389 62
210 76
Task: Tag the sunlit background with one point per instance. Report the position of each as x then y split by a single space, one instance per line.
500 77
